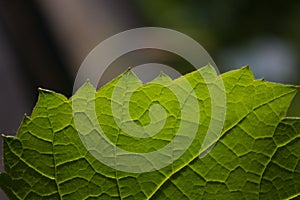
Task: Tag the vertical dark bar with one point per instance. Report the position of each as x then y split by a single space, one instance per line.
36 55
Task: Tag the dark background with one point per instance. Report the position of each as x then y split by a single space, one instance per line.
42 43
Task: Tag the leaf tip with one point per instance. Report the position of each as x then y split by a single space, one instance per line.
42 90
162 78
261 79
162 73
26 116
6 137
246 67
209 65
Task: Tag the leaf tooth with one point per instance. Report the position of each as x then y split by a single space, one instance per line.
41 90
162 78
246 67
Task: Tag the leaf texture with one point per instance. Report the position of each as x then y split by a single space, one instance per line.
255 157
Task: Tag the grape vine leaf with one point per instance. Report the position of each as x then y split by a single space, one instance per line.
256 157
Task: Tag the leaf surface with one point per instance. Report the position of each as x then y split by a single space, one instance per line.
256 156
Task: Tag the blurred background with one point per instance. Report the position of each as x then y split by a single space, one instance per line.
43 43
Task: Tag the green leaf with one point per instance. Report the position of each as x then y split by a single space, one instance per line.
57 155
